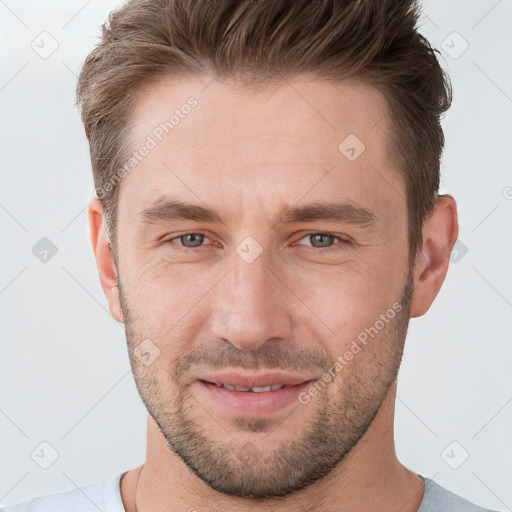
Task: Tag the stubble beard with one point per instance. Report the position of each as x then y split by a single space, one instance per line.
247 465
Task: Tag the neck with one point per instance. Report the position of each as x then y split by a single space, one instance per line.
370 477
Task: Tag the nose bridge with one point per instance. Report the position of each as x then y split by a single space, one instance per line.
248 309
250 281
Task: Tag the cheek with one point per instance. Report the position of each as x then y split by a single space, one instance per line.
162 296
343 302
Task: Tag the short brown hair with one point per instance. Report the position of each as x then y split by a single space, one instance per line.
258 41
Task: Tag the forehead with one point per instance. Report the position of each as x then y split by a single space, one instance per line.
300 108
295 138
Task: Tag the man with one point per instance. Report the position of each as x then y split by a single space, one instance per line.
266 221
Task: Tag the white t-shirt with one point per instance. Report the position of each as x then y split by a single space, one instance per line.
106 497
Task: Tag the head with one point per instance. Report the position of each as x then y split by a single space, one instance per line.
266 201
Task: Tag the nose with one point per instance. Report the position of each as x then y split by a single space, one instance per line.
251 305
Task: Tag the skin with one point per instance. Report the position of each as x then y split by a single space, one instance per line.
248 156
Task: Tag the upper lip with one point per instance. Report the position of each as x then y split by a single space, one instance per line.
255 380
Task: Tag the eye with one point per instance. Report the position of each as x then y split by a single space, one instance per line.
324 241
189 240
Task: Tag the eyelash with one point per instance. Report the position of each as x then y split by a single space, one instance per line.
341 242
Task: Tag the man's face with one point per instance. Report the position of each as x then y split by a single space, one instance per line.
254 295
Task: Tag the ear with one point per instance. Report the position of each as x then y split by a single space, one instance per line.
440 232
104 257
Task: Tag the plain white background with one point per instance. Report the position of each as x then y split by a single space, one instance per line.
64 372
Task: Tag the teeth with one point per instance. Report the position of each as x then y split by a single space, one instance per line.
260 390
255 389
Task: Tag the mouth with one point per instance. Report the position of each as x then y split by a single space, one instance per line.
253 396
245 389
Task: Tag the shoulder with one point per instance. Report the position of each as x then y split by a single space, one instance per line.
105 496
439 499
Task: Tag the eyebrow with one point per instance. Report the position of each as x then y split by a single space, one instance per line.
347 213
166 210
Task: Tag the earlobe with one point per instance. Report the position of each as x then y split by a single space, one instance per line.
440 232
104 257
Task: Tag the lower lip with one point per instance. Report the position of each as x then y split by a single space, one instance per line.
248 403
